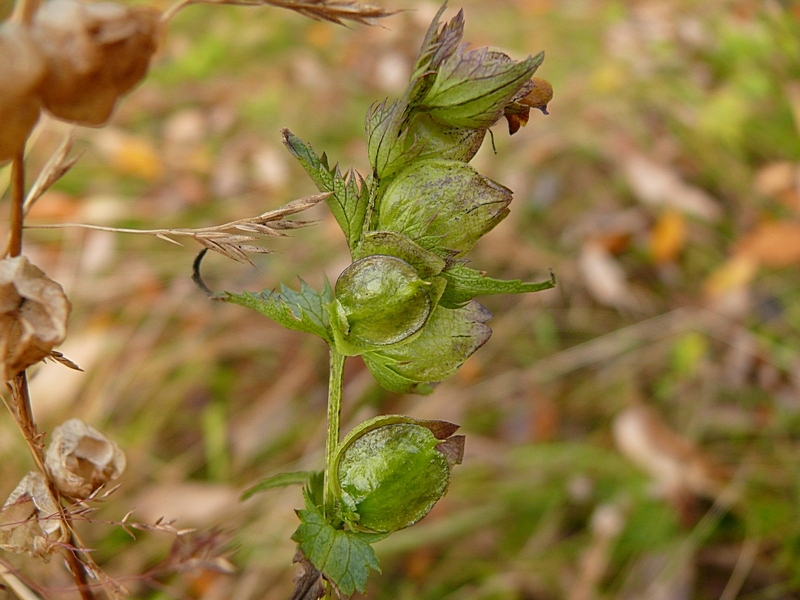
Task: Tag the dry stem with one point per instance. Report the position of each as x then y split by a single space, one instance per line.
17 204
20 396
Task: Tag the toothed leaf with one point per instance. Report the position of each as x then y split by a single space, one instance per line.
349 197
344 557
301 311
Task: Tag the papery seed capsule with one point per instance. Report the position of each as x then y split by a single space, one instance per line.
21 70
95 53
383 299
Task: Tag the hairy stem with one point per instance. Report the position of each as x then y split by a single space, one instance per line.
334 410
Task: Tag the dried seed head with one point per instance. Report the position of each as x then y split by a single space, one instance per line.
21 70
80 459
95 53
29 520
33 315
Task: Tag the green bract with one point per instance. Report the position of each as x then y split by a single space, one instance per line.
445 206
381 300
391 470
471 88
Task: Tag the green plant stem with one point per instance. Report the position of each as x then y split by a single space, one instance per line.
335 380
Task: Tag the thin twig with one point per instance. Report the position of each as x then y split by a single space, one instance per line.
219 238
320 10
57 166
77 568
16 585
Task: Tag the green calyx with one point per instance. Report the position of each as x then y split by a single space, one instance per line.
380 300
391 470
445 206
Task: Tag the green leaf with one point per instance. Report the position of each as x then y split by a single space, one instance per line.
349 197
446 341
278 481
301 311
463 284
344 557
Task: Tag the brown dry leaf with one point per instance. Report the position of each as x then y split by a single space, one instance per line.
656 185
130 154
21 69
33 315
775 178
80 459
775 244
605 278
30 521
676 464
94 53
732 277
308 580
668 237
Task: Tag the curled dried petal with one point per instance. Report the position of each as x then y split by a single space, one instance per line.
33 315
29 520
80 459
95 53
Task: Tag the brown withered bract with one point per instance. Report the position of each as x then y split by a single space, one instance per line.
537 93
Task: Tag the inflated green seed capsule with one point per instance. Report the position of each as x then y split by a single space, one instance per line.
392 470
445 206
383 299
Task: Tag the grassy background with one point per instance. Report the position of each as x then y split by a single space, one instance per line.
680 297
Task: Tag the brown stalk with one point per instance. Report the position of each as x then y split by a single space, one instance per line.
20 396
17 204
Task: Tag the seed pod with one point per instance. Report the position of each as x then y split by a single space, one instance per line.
390 471
381 300
445 206
95 53
33 315
80 459
29 519
21 69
